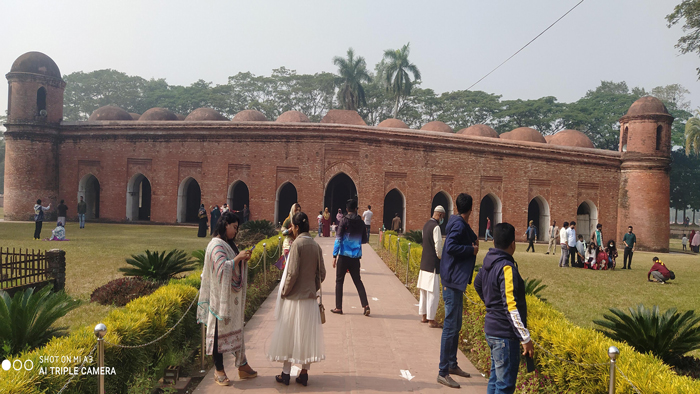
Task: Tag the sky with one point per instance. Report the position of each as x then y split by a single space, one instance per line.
453 43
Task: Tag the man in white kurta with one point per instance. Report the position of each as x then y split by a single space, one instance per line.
428 278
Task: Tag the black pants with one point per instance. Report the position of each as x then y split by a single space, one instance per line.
368 233
628 254
218 357
37 229
573 256
353 265
530 244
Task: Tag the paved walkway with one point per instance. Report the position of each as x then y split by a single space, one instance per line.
363 354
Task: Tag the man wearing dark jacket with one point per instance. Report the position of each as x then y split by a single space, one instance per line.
456 270
502 289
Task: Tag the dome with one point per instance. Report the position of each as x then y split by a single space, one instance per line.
436 125
393 123
479 130
647 105
293 117
109 112
342 116
524 134
180 116
204 114
134 115
158 114
571 138
36 63
249 115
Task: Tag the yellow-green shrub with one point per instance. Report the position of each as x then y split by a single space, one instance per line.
562 338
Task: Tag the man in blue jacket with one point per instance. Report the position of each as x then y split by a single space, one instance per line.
456 270
502 289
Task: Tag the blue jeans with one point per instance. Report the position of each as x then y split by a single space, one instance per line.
488 235
81 216
505 359
454 304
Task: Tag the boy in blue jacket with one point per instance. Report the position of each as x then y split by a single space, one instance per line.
456 270
502 289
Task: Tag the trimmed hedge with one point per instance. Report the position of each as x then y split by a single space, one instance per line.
140 321
564 339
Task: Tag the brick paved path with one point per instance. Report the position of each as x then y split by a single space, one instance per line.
363 354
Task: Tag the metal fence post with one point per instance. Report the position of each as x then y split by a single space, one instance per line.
265 262
408 260
100 331
398 249
613 352
202 369
279 247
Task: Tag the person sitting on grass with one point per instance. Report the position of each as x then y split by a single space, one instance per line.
660 272
602 259
58 234
591 254
580 250
611 251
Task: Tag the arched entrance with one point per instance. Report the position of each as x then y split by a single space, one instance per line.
286 196
394 202
444 199
189 197
490 207
586 219
238 195
89 189
538 211
339 190
138 198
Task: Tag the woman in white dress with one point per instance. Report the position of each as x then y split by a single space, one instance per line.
222 299
298 335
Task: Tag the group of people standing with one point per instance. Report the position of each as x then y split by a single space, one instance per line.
596 254
59 232
216 213
693 239
298 333
498 284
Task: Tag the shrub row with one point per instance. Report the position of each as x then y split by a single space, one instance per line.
565 340
140 321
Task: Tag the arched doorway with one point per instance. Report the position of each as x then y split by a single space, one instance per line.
394 203
490 207
339 190
586 219
286 196
138 198
189 197
238 195
444 199
89 189
538 211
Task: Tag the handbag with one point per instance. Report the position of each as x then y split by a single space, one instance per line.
321 308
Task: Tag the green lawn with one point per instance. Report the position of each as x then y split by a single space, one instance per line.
94 254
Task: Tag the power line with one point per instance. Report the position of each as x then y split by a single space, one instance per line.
525 46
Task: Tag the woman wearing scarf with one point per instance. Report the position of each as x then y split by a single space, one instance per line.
326 222
202 215
298 335
287 228
695 243
339 216
222 299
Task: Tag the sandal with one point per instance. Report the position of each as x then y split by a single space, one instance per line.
221 380
247 375
303 379
284 378
338 311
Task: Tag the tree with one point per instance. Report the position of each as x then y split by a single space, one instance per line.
85 92
352 72
543 114
396 71
690 11
672 95
692 135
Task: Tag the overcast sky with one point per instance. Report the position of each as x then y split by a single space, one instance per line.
453 43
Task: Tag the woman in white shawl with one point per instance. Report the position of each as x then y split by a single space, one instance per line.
222 299
298 335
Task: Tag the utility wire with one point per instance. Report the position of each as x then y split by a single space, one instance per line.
525 46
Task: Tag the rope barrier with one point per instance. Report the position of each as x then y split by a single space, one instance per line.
196 297
627 379
81 367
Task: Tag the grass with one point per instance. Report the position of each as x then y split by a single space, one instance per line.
94 254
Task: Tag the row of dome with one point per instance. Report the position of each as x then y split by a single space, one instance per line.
562 138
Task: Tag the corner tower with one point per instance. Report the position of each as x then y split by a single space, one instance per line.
34 112
645 146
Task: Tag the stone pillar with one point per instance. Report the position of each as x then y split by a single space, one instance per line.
57 268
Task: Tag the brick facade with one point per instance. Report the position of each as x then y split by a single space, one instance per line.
53 162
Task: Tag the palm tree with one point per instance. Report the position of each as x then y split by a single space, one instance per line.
397 74
352 71
692 135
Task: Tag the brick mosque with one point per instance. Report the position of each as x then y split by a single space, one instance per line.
158 166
